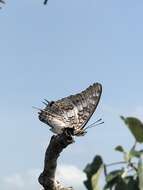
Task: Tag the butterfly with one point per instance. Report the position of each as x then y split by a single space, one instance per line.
73 112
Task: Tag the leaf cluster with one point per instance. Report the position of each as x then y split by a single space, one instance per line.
129 176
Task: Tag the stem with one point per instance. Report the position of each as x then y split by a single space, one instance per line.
132 166
116 163
56 146
105 170
134 146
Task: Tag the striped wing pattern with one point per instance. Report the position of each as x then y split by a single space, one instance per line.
73 111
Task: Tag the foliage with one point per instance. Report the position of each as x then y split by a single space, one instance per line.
93 172
130 175
135 126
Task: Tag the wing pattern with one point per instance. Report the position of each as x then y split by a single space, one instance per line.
73 111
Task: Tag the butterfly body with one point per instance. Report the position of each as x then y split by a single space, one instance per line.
72 112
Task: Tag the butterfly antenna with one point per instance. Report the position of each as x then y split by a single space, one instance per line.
37 108
96 123
92 124
46 101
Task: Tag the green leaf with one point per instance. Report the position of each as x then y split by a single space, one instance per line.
91 169
119 148
120 183
135 126
95 179
135 153
140 171
128 183
131 154
127 155
113 178
114 174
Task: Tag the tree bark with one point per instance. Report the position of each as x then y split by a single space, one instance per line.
55 147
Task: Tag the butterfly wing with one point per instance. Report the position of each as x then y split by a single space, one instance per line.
76 110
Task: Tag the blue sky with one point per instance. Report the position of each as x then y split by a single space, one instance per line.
60 49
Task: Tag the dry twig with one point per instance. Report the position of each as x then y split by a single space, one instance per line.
56 146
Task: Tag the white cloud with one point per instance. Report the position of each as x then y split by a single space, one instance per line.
68 175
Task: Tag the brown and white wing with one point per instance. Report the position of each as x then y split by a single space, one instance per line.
77 109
